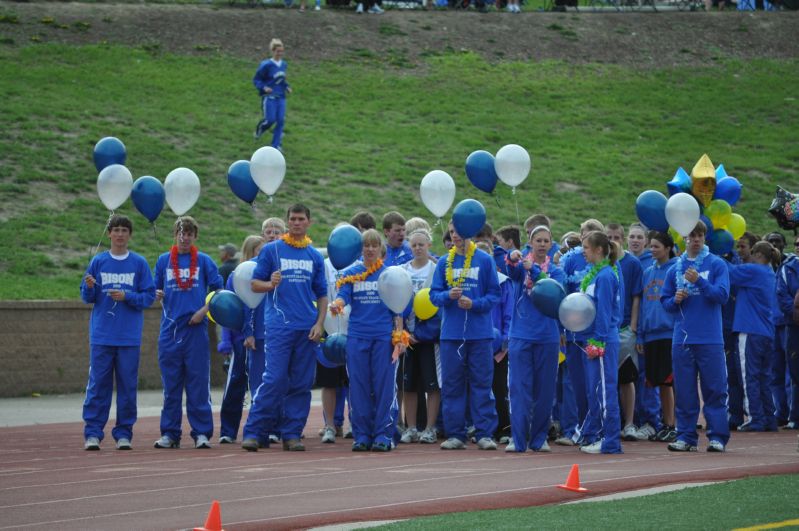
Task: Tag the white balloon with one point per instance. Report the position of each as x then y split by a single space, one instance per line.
682 213
182 189
114 185
395 288
242 276
338 324
512 164
268 168
576 312
438 192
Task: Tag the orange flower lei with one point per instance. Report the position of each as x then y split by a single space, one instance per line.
467 262
401 337
299 244
352 279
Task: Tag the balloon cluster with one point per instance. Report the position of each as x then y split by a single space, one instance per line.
707 194
265 171
115 184
785 209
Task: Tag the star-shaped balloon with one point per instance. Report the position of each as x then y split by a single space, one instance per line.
785 208
681 182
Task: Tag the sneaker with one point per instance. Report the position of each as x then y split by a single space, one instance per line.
92 444
348 433
124 444
564 441
226 440
671 436
487 443
359 8
360 447
166 442
747 426
510 448
251 445
293 445
428 437
274 438
376 10
543 448
681 446
645 432
453 444
593 448
629 433
411 435
792 425
202 442
382 447
329 435
505 439
715 446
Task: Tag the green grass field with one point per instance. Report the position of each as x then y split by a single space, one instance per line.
360 134
743 503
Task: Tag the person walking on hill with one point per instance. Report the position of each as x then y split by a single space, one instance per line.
270 81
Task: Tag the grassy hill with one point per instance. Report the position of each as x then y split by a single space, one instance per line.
361 133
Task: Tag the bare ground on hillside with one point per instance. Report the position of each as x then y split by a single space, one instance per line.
639 39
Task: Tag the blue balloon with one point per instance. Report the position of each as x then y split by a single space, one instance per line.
468 217
651 210
728 189
344 246
240 181
681 182
334 351
227 309
148 197
547 295
109 150
721 242
480 170
709 224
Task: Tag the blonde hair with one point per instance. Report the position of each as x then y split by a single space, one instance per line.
372 236
248 247
275 43
421 232
274 222
610 249
591 225
414 224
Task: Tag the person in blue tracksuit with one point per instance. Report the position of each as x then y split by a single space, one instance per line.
631 272
292 273
465 288
753 322
374 342
533 346
119 284
602 283
183 278
575 403
398 251
655 330
695 290
787 288
735 388
270 81
237 343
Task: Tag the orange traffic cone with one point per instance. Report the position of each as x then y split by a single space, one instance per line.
214 520
573 481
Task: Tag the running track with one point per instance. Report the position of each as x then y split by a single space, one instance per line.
47 481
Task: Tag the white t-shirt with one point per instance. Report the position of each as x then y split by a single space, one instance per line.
422 277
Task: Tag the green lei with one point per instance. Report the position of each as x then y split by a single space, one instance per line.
591 275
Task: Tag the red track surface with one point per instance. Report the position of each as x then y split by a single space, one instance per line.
47 481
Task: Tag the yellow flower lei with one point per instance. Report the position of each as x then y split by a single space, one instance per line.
352 279
467 262
299 244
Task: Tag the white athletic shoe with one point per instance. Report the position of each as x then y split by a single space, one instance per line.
92 444
330 435
487 443
510 447
544 448
595 448
202 442
453 444
411 435
166 442
359 8
124 444
226 440
645 432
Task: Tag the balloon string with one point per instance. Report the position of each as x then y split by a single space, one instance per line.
465 320
516 202
105 229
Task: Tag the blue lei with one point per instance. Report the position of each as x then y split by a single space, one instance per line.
679 275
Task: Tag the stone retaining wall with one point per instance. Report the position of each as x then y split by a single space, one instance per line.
44 348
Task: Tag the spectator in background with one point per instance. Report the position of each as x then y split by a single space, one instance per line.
227 257
120 285
486 235
534 221
509 238
744 246
397 249
777 239
447 240
363 221
638 244
270 81
788 301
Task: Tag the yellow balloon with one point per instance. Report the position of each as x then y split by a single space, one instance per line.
678 241
423 306
208 302
736 225
719 212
